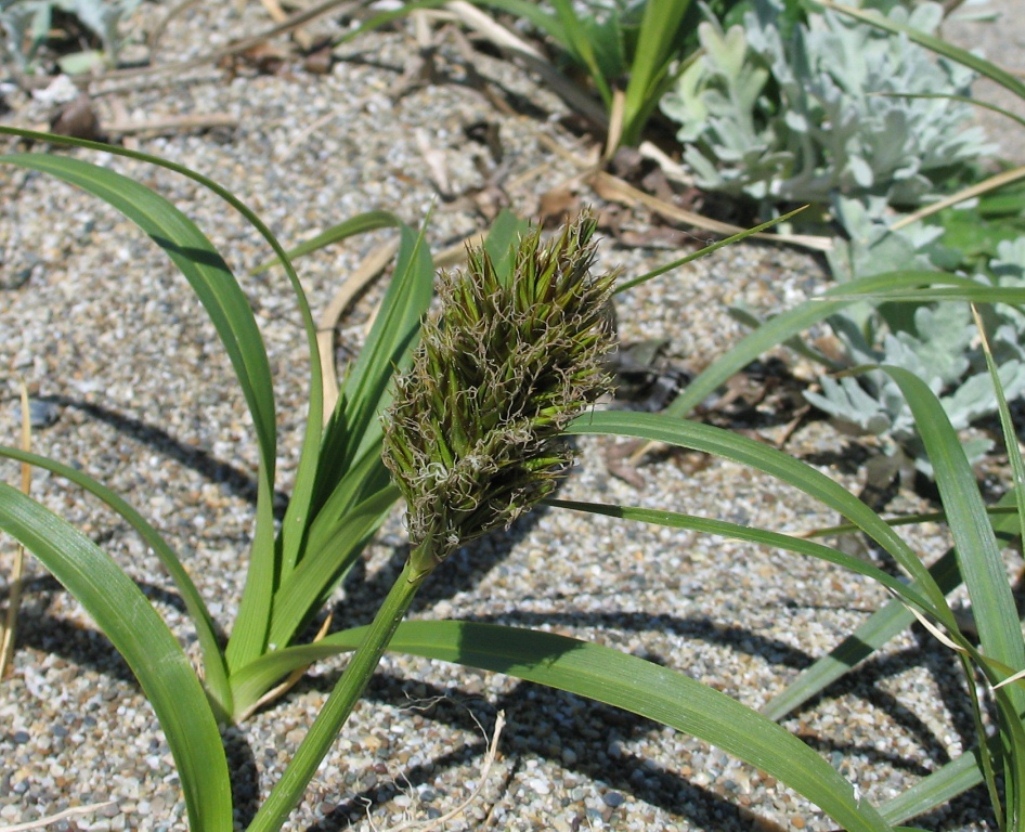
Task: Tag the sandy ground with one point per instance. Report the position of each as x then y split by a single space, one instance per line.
1003 43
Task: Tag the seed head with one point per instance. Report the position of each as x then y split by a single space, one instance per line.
473 438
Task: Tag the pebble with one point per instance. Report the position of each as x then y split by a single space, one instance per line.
41 414
96 319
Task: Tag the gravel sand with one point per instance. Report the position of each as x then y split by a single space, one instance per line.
136 391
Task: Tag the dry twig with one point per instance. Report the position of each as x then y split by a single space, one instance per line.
51 819
437 823
298 19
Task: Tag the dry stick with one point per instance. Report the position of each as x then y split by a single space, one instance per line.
613 188
170 124
273 7
304 134
489 760
672 170
991 184
533 60
295 21
367 271
67 813
616 116
10 626
163 125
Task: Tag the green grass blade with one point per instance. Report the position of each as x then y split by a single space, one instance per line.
884 624
934 44
200 263
790 323
1000 510
938 788
675 264
360 224
249 634
216 678
500 244
969 291
1012 731
795 344
985 577
364 393
658 40
305 589
734 531
576 43
981 565
350 464
658 427
310 485
365 477
1008 703
251 682
151 651
1010 433
641 687
229 310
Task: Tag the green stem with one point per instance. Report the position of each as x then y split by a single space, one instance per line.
315 745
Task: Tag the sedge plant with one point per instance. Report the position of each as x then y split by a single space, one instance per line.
472 434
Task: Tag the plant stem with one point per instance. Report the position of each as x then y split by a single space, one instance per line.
315 745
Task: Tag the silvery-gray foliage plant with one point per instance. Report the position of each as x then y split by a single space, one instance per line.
785 111
937 342
26 23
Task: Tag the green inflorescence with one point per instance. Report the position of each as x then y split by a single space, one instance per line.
473 438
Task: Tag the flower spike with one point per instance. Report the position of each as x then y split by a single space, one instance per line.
473 438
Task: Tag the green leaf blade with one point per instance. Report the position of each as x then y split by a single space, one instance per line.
660 427
981 565
199 262
794 321
646 689
213 661
126 617
228 308
657 43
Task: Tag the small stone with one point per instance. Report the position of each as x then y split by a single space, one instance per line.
41 414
